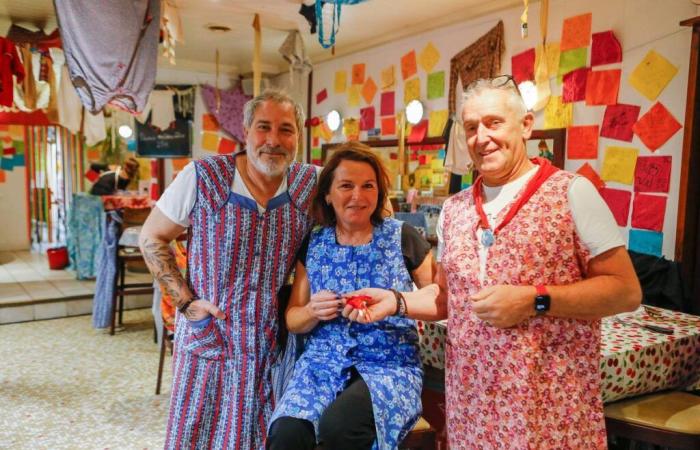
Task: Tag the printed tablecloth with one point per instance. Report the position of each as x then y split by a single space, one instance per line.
634 360
126 201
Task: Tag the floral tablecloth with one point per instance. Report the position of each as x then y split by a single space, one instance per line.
634 360
120 201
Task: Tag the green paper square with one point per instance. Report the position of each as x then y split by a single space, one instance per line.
436 85
572 59
19 146
315 153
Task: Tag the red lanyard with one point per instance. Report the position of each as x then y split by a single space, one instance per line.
545 170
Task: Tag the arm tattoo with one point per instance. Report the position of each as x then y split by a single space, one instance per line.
162 265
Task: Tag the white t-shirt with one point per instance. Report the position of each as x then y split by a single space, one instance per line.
178 199
595 224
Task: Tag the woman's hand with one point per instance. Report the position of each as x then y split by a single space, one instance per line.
381 304
324 305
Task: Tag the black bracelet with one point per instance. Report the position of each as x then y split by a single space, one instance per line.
400 303
187 304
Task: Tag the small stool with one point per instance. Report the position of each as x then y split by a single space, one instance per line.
421 437
669 419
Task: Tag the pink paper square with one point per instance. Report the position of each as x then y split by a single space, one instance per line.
648 212
619 203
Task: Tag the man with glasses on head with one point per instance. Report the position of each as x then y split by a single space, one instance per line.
246 215
530 260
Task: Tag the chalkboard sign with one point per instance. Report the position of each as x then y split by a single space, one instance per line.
176 141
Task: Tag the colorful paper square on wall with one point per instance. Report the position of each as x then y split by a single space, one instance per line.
523 66
574 88
648 212
436 123
618 122
368 90
582 142
388 126
656 126
209 123
652 174
576 32
619 164
351 129
619 203
436 85
354 95
358 74
387 103
340 84
388 79
411 90
557 114
652 75
602 87
321 96
428 57
605 49
367 118
589 172
647 242
571 60
408 65
210 141
226 146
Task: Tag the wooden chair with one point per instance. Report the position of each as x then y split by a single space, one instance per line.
668 419
165 343
422 437
128 254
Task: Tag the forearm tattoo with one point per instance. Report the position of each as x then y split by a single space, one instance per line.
162 265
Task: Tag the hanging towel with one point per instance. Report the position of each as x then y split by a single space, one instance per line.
162 109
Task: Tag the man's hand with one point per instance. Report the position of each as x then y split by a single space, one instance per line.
201 309
381 305
324 305
504 306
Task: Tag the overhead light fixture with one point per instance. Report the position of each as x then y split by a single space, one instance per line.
125 131
528 91
333 120
414 112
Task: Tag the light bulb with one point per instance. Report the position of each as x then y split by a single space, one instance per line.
333 120
125 131
414 112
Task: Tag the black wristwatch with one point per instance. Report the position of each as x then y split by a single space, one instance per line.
542 300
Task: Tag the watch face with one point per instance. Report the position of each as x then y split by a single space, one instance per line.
542 303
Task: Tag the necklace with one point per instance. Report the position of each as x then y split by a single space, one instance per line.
488 236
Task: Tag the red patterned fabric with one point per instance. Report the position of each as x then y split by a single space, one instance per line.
536 385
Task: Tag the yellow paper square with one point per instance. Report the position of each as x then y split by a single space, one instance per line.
16 132
558 114
411 90
551 51
368 90
341 81
436 164
210 141
351 128
619 164
652 75
436 122
428 57
388 79
354 95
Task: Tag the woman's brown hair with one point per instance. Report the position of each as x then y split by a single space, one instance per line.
349 151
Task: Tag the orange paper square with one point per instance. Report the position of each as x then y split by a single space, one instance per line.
209 123
656 126
179 163
408 65
226 146
2 176
358 73
368 90
576 32
582 142
602 87
587 171
388 126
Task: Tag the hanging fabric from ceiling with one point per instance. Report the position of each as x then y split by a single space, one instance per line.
328 19
293 50
111 50
482 59
229 111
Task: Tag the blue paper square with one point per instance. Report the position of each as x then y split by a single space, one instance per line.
441 154
18 160
648 242
6 163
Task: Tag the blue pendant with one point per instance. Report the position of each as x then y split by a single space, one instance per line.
487 237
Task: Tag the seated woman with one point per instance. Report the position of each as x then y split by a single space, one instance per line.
356 386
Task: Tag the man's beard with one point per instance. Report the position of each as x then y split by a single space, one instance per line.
270 167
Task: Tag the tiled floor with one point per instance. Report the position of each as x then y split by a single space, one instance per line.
29 290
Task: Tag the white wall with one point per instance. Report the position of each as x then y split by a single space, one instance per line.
639 25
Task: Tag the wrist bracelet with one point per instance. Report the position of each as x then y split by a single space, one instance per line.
187 304
400 303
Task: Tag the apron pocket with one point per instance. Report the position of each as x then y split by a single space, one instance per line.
204 342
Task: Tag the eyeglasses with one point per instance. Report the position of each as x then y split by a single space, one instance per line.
496 82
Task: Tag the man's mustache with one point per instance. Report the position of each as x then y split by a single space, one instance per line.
273 150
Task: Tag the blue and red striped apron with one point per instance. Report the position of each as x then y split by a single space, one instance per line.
238 258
